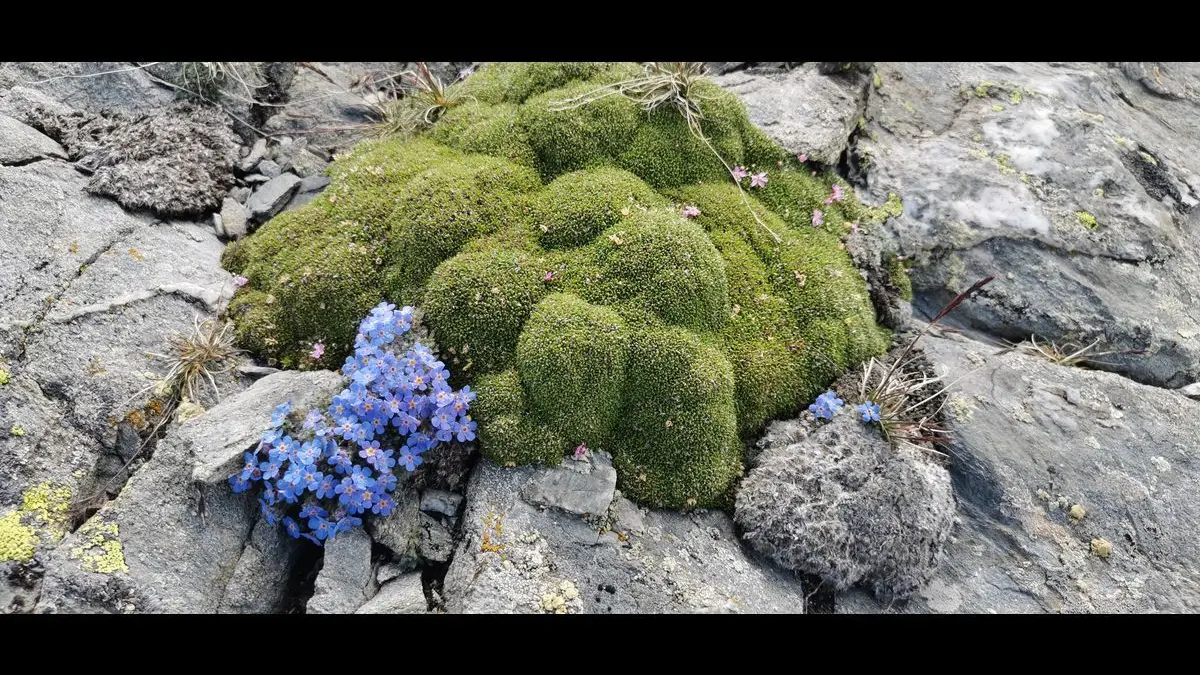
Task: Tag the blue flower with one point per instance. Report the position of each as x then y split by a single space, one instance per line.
869 411
280 414
385 481
293 528
383 505
409 460
312 510
268 513
239 484
250 468
320 527
313 419
466 430
826 406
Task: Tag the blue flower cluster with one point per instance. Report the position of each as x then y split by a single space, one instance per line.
869 411
340 465
826 406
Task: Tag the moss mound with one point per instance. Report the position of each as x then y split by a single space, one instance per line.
546 244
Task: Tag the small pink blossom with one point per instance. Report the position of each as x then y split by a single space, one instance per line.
240 281
318 350
739 173
759 180
549 276
581 452
691 211
818 217
802 157
838 194
828 201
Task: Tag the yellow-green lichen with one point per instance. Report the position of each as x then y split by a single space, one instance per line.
101 550
1087 220
1099 193
1148 158
877 80
4 375
40 519
17 541
998 108
1014 97
17 430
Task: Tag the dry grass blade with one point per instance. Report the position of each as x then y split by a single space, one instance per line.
904 390
199 356
1068 354
419 101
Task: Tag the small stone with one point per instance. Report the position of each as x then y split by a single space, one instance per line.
570 490
240 194
218 226
269 199
256 154
1191 390
1072 396
344 583
1077 513
269 168
235 217
436 543
391 570
313 183
404 595
1101 547
627 518
440 501
256 178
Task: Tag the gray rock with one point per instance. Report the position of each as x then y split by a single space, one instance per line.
90 86
314 183
177 161
260 579
441 501
269 169
1023 457
1191 391
245 417
188 546
218 225
1075 182
29 106
145 287
346 580
235 218
240 194
257 152
436 541
256 179
583 487
801 109
845 506
404 595
305 164
517 557
400 530
627 517
271 197
391 570
21 144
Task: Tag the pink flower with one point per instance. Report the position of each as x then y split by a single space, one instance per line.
549 276
240 281
828 201
818 217
581 452
739 173
691 211
802 157
854 228
317 352
759 180
838 195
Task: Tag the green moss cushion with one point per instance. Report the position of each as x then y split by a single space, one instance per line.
545 241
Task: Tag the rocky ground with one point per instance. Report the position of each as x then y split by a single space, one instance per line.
1075 184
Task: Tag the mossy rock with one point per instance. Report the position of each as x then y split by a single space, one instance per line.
546 245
